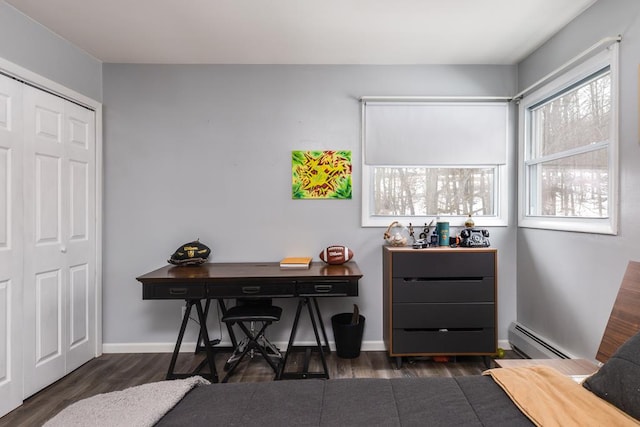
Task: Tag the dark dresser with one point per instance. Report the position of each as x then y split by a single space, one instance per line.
439 301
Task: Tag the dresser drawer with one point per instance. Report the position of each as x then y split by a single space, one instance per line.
438 290
252 289
472 341
443 316
174 291
328 288
434 264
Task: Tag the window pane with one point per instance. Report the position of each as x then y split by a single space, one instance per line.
575 186
433 191
574 119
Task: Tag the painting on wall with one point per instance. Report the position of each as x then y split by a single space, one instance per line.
321 174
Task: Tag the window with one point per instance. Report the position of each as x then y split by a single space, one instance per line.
568 170
428 159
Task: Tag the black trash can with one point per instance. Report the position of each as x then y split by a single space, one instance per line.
347 334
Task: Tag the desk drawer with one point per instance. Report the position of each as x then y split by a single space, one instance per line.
327 288
170 291
251 289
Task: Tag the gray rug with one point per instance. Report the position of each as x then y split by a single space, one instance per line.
142 405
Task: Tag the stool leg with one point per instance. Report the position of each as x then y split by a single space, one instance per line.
251 345
235 363
263 350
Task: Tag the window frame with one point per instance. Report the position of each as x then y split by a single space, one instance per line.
590 67
501 184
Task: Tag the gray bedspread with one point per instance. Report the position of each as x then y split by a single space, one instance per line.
435 401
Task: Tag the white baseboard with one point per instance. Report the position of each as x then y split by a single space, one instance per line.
189 347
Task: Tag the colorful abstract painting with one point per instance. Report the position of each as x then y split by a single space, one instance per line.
321 174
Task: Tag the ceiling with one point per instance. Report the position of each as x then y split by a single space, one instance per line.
305 31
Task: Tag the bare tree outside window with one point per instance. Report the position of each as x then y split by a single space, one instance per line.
422 191
569 157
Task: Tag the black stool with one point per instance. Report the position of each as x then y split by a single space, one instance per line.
245 314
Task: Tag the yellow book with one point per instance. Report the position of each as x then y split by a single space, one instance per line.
295 262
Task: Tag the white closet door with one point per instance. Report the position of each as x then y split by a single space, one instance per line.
80 234
44 273
11 242
59 264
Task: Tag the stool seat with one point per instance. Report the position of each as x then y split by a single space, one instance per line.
245 314
252 313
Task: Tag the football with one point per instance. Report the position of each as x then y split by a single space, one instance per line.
336 254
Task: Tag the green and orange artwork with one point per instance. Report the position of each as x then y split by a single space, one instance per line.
321 174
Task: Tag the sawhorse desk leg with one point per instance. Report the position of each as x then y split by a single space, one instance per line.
315 317
204 335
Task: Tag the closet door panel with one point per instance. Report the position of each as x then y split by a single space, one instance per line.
79 306
79 226
11 244
5 333
45 272
5 197
48 317
79 183
47 200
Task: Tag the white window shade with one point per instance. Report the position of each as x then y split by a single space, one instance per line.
435 133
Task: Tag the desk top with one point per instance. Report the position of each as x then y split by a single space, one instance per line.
228 272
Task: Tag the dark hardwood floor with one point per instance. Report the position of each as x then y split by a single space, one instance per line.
112 372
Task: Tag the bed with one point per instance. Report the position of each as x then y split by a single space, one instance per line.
501 397
527 396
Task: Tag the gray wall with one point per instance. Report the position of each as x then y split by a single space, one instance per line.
204 151
567 282
29 45
196 151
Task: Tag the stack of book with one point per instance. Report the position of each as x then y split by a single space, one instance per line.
295 262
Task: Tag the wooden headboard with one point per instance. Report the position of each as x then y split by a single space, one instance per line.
624 321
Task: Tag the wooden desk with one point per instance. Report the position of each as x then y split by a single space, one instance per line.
219 281
569 367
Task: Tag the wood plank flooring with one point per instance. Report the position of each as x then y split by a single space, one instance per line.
112 372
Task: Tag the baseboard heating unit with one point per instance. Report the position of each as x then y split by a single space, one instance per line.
529 343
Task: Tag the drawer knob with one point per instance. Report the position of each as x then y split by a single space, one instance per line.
178 291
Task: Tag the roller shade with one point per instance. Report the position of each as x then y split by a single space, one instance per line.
435 133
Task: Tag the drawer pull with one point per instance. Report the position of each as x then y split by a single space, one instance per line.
442 279
323 288
444 330
250 289
178 291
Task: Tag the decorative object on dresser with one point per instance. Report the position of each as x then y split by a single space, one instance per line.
396 234
439 302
